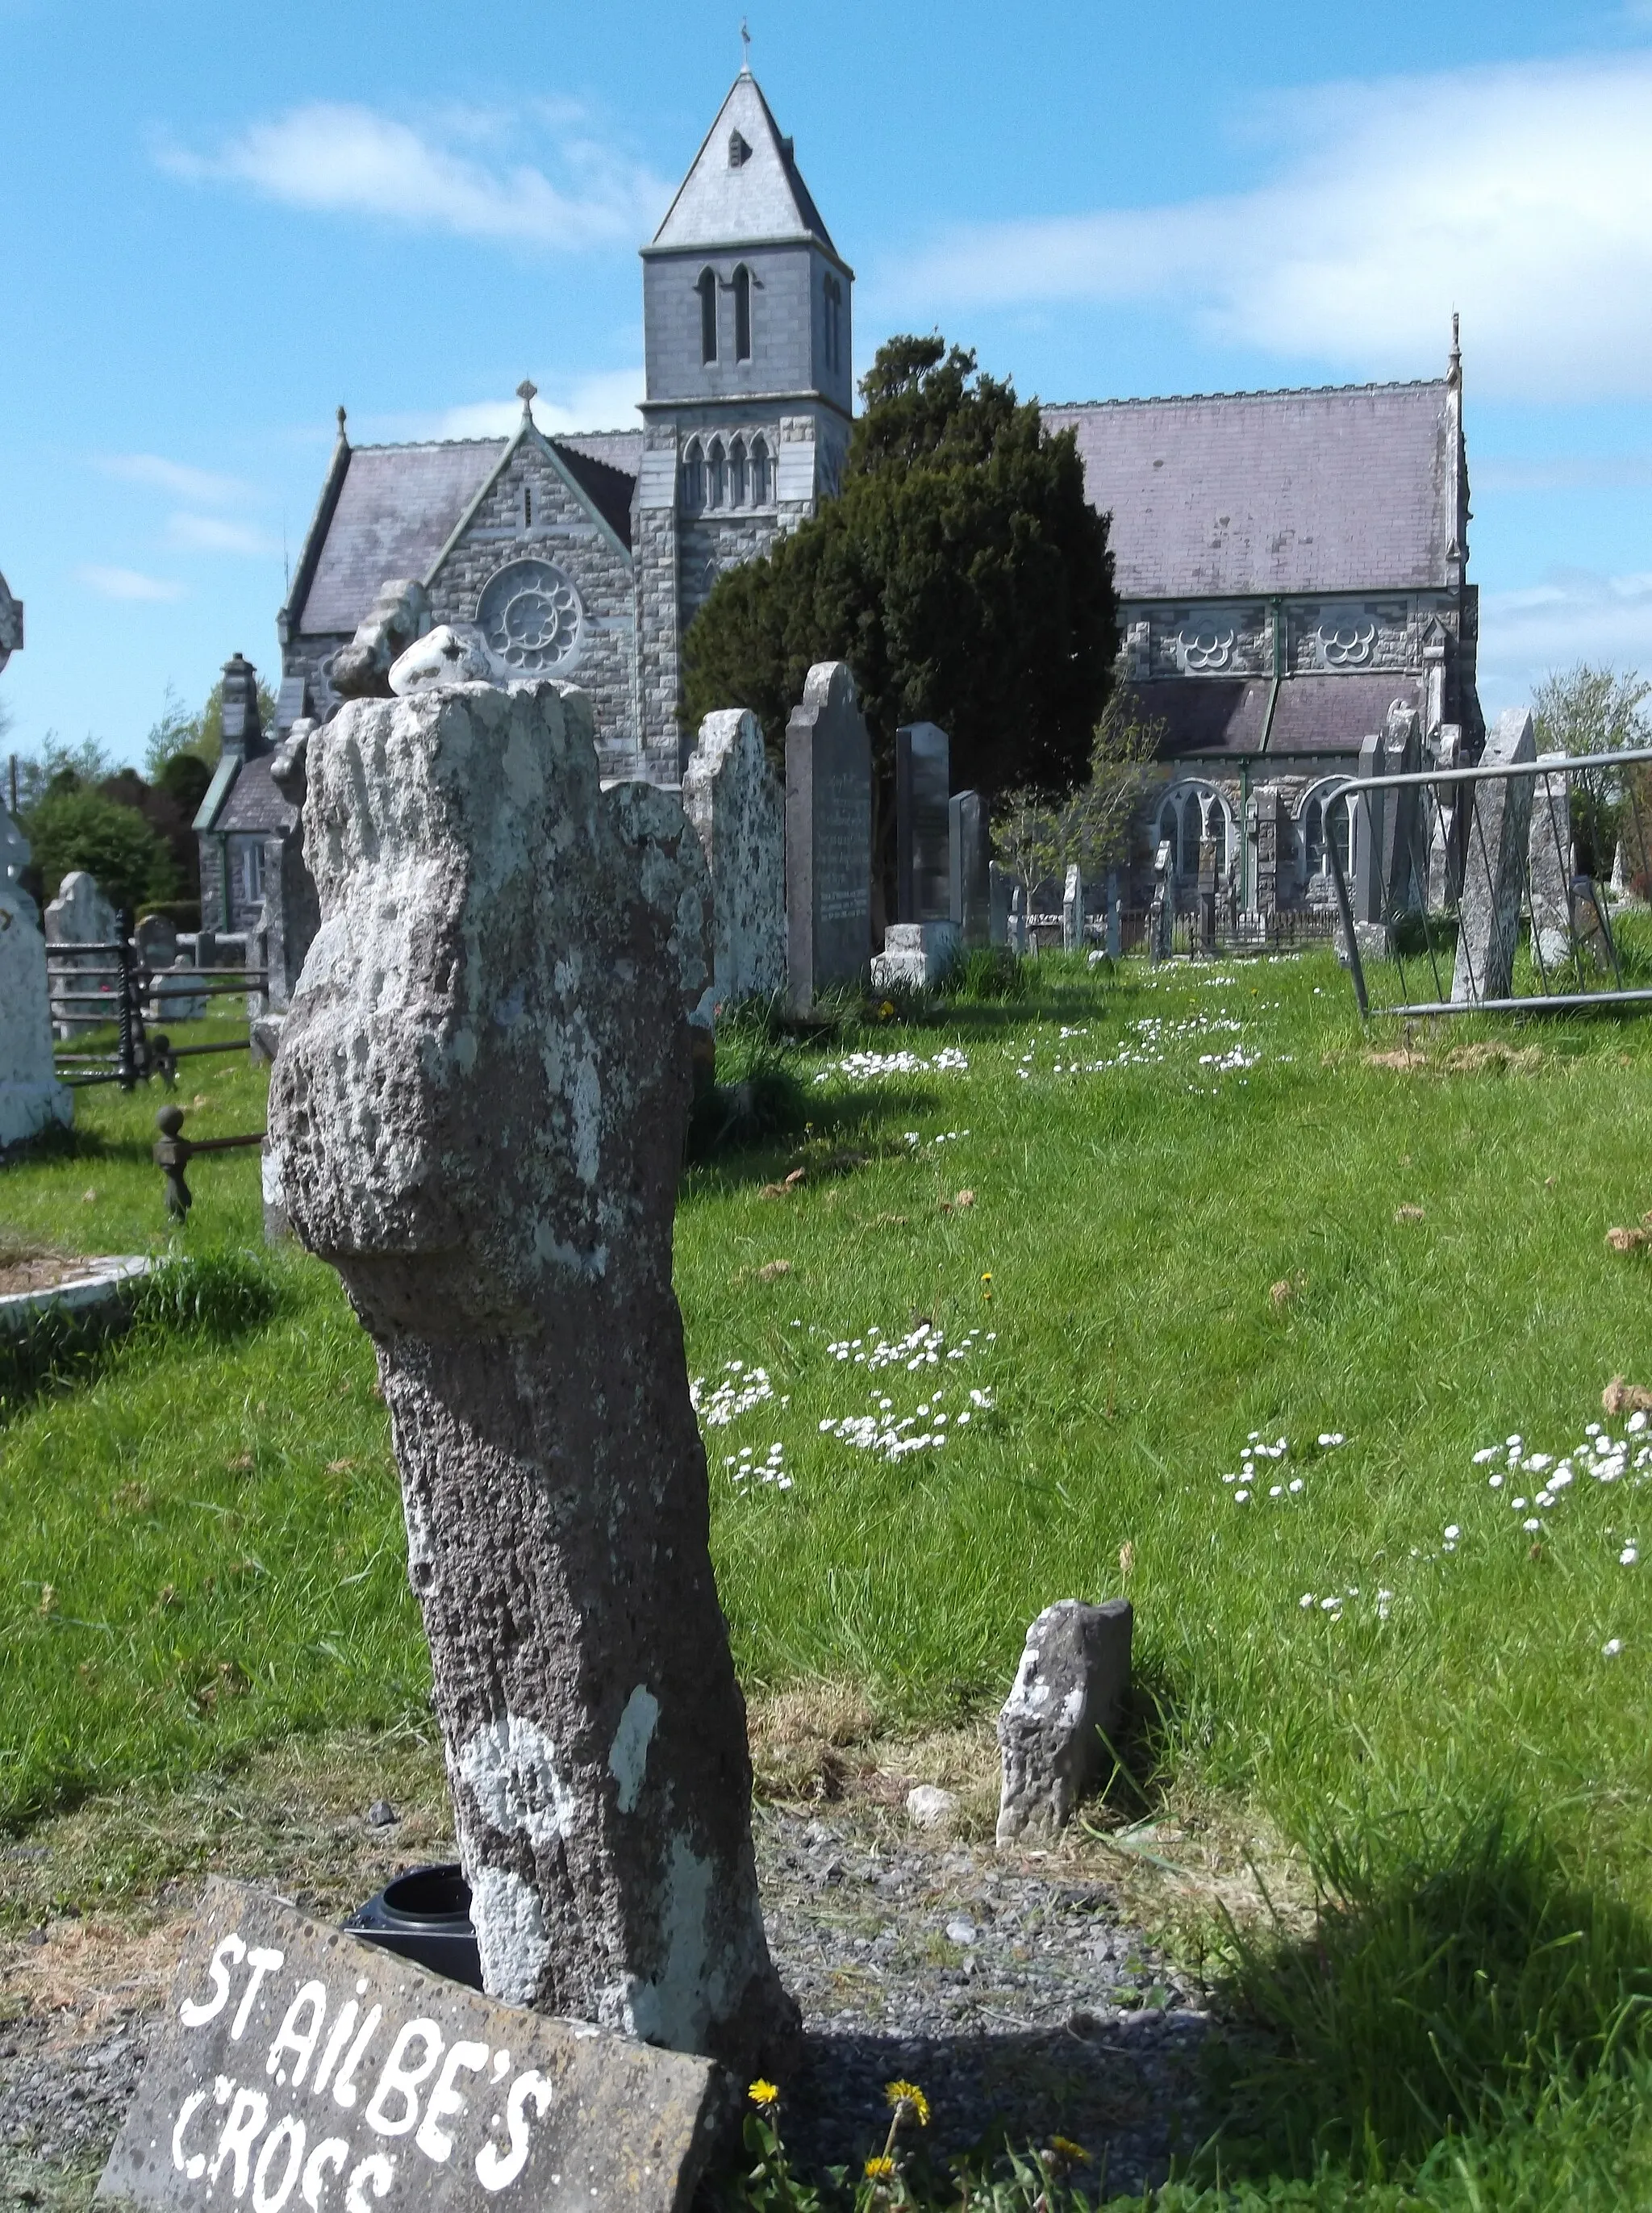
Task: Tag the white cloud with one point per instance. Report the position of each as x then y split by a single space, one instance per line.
211 533
128 584
606 401
331 157
177 478
1571 615
1522 196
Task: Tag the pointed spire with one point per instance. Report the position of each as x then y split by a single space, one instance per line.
526 391
1454 370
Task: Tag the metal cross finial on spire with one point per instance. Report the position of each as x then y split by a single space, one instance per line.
341 422
525 392
744 48
1454 375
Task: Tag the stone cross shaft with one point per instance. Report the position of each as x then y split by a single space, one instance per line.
477 1113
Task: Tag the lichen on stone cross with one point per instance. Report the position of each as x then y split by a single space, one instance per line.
478 1113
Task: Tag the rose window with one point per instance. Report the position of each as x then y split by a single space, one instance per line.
530 615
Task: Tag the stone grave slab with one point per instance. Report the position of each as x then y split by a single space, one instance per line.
922 823
828 836
300 2068
1494 867
733 799
30 1095
970 867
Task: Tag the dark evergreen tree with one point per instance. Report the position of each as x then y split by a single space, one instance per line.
961 573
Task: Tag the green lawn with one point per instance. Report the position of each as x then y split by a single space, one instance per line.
1166 1251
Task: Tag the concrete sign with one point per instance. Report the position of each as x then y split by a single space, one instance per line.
299 2070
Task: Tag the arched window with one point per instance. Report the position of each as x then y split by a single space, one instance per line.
759 471
1328 808
717 475
742 312
834 322
737 473
707 288
1192 815
693 478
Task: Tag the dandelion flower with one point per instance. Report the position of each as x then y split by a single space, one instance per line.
880 2168
763 2094
908 2094
1066 2148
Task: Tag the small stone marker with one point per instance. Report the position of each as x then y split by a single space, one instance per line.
79 915
1069 1690
922 823
1549 845
971 868
31 1097
299 2070
734 800
828 836
1072 909
1494 867
916 955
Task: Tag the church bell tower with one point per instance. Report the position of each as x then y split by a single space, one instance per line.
750 392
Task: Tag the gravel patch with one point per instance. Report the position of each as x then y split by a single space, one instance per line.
1006 1986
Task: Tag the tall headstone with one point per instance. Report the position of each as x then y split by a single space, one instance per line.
31 1098
922 823
79 915
1072 909
1000 891
1115 917
1162 915
1494 866
970 848
1267 825
735 803
477 1116
828 836
1549 845
1018 931
292 912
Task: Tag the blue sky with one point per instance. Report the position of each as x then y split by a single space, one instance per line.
220 223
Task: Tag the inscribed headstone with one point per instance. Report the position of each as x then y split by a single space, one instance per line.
79 915
922 823
30 1095
971 854
477 1116
324 2073
1494 866
735 803
828 836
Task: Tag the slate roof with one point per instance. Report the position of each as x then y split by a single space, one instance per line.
1206 717
255 803
765 198
397 508
1349 488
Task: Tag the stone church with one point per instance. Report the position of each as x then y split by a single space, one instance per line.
1290 564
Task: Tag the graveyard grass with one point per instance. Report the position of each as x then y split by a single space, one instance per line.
201 1550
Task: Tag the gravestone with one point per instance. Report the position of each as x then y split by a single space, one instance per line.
292 914
1072 909
1388 849
1268 827
922 823
31 1098
735 803
970 867
1018 922
1549 844
1115 917
1494 867
1162 915
14 859
828 836
477 1116
79 915
1000 891
1447 814
326 2074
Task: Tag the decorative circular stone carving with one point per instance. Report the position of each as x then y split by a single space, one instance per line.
530 614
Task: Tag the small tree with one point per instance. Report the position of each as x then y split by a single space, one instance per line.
1037 839
179 734
1585 710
